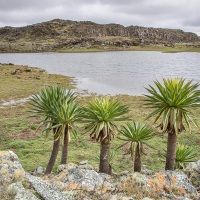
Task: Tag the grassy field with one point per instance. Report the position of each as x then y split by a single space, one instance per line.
24 46
18 131
175 49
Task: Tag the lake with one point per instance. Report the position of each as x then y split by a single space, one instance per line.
122 72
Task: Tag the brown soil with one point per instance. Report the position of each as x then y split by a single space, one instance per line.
23 135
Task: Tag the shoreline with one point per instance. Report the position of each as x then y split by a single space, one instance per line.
176 48
33 78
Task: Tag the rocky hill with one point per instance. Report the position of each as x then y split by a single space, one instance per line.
65 34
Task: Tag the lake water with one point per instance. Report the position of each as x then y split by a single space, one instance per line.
113 72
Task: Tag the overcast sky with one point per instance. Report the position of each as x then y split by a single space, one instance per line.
179 14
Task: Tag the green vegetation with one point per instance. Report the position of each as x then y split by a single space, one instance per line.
23 81
161 48
102 116
136 134
172 102
184 155
59 112
18 130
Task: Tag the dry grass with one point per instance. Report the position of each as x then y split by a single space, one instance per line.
4 194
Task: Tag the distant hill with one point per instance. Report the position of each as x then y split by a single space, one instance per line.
60 34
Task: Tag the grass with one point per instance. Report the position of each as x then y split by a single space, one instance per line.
177 48
24 83
27 47
18 131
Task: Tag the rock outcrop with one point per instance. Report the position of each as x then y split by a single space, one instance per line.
65 34
83 182
20 193
10 167
45 191
193 172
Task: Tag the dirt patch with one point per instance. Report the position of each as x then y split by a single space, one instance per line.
23 135
2 144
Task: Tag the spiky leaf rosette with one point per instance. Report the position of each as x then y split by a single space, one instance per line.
184 155
135 133
57 109
172 102
101 117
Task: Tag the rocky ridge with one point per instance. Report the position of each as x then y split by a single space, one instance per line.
65 34
83 182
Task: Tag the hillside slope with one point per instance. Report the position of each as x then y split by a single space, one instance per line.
65 34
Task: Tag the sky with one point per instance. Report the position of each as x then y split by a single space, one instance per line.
177 14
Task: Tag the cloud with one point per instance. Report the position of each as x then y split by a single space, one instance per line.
180 14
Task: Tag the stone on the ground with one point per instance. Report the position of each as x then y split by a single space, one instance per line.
10 167
38 171
81 181
120 197
66 167
84 162
84 179
193 172
45 191
20 192
165 183
86 166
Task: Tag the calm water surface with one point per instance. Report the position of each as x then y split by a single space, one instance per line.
113 72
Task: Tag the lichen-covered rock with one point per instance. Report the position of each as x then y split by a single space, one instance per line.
193 172
120 197
20 192
168 181
88 180
38 171
169 184
85 165
81 182
10 167
66 167
47 192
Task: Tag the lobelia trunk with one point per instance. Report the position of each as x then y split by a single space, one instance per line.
65 147
54 153
104 166
137 161
171 151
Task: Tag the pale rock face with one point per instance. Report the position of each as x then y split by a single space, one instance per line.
20 192
10 167
88 180
65 168
193 172
45 191
38 171
76 180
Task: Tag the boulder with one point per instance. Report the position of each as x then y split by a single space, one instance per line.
88 180
10 167
193 172
171 183
82 182
65 168
168 184
85 165
20 192
47 192
38 171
